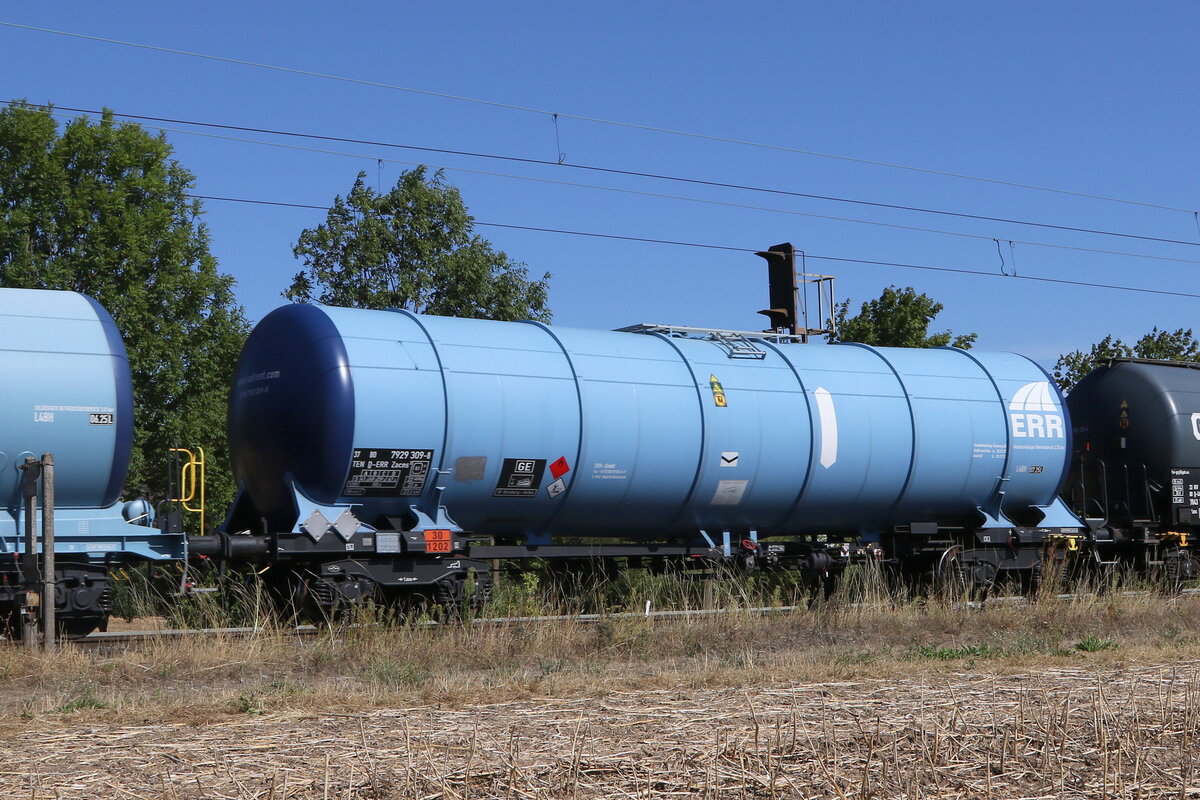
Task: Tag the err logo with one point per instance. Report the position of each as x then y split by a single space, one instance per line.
1033 413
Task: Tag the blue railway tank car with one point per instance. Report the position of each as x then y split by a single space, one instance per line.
69 393
376 443
1136 473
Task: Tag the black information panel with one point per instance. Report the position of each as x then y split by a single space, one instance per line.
1185 487
520 477
384 472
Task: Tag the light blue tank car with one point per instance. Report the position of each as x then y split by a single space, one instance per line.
384 420
68 393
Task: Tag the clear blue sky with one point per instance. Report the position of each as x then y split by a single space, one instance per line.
1096 98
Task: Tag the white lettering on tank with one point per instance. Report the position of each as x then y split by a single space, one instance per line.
827 416
1038 426
1034 413
1054 426
1035 425
1018 424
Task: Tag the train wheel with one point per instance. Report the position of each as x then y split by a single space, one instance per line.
829 584
958 576
460 594
951 579
822 588
412 606
284 592
73 627
322 600
1180 567
1050 576
448 593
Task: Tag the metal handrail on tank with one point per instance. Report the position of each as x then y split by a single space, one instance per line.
1147 509
1135 506
1151 507
1128 495
686 332
1082 499
191 483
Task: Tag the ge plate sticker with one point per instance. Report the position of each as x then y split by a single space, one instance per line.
520 477
383 472
729 493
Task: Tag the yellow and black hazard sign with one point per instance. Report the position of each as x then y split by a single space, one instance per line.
718 393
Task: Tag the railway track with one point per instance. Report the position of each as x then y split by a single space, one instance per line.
118 637
114 637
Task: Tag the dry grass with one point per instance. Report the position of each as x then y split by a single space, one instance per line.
1083 698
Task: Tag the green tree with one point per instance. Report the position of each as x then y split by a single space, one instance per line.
413 247
898 318
1177 345
102 208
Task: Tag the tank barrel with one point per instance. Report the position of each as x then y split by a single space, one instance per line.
652 431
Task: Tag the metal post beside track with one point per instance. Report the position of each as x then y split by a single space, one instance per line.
29 622
48 576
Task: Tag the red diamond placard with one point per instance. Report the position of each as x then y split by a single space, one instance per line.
559 468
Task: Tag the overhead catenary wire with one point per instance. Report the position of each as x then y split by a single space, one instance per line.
648 175
555 115
712 202
732 248
743 206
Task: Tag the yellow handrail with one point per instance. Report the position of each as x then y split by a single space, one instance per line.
191 482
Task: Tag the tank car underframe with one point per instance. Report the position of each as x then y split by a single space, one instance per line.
435 565
82 596
980 558
320 589
1169 555
425 557
1140 518
320 576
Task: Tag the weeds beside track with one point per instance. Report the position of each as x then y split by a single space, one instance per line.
132 634
858 696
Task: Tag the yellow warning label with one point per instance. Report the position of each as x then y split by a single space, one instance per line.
1124 404
718 392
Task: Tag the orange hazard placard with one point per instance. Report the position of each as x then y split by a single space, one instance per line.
437 540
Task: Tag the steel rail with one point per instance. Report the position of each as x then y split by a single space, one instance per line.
117 637
109 637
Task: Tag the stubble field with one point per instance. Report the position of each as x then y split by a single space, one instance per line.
1097 697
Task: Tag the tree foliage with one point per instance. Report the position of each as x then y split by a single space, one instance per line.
102 208
897 318
413 247
1177 345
